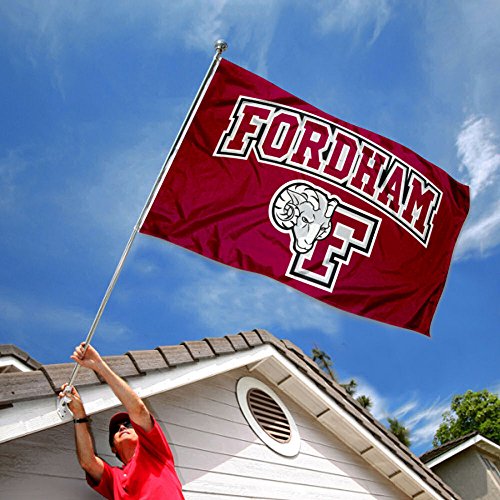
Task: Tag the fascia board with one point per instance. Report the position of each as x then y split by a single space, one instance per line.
489 446
27 417
370 439
11 360
461 447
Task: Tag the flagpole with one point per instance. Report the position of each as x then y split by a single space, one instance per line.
220 46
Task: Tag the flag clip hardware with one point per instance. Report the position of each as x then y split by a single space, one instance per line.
62 403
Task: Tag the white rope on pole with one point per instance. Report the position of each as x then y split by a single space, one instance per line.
220 46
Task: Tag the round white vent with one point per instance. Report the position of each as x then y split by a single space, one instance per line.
268 417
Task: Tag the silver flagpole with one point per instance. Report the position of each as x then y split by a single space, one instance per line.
220 46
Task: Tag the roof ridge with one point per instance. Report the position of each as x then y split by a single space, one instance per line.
366 413
17 352
47 379
443 448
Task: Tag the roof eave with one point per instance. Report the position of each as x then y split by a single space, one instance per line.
478 440
26 417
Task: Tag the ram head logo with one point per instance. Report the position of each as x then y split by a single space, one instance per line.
305 210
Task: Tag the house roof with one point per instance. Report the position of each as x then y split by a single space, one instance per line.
12 351
16 388
440 450
452 448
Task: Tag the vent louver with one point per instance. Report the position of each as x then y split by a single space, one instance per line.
269 415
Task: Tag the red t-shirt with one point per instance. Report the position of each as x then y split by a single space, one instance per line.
150 474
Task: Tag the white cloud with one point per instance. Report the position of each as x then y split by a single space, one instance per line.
405 409
495 388
227 300
380 408
111 193
11 166
424 423
115 193
198 31
481 233
479 152
32 315
239 22
461 49
10 312
354 16
421 418
55 29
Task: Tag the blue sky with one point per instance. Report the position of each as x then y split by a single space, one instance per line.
92 95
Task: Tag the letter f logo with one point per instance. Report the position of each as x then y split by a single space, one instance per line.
345 229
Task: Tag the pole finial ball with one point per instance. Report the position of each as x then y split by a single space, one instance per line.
220 46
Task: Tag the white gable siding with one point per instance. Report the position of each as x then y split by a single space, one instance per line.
217 454
42 466
468 475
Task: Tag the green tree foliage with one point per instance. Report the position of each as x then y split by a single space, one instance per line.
365 402
472 411
399 430
350 387
324 361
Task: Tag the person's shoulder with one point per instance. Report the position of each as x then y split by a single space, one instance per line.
141 431
154 441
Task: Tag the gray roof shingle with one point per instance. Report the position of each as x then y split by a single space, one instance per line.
440 450
20 386
47 379
148 360
175 355
23 356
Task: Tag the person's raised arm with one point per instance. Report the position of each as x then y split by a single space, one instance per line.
85 452
133 403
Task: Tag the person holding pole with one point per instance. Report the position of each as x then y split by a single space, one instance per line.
134 436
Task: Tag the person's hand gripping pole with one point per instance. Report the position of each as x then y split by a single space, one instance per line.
65 399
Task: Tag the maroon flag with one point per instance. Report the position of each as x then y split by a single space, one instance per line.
265 182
